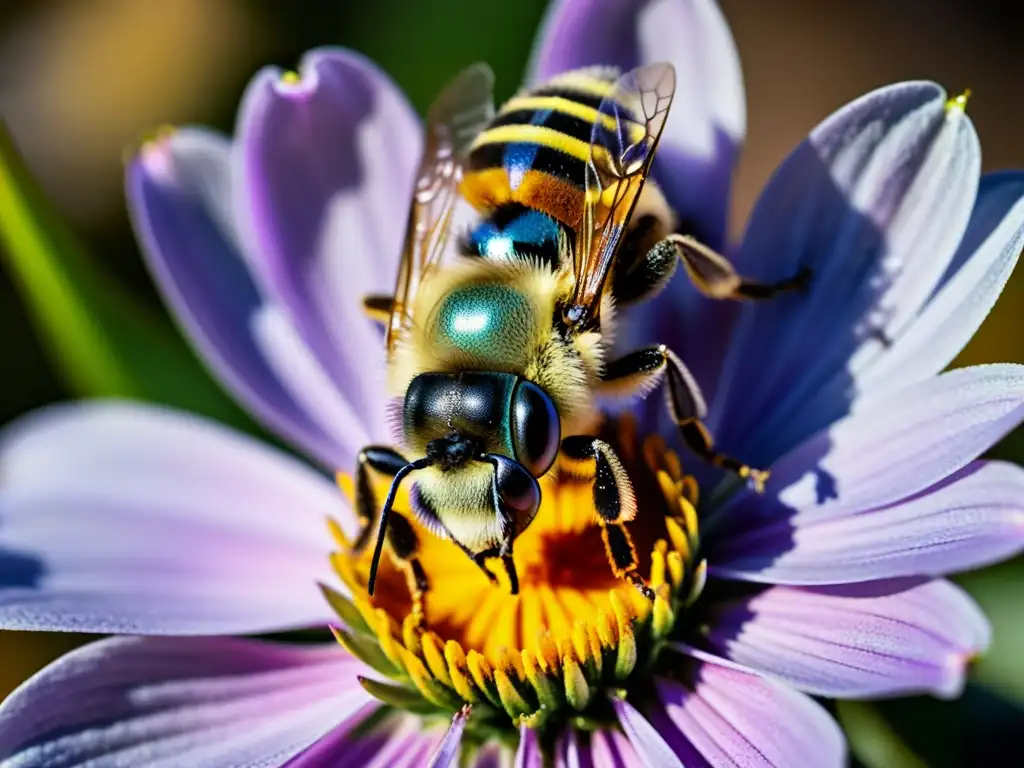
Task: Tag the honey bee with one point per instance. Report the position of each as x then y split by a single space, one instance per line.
497 354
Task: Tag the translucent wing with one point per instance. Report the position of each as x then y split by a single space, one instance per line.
458 114
622 146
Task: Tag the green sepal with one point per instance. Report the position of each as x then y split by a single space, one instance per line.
346 610
366 651
399 697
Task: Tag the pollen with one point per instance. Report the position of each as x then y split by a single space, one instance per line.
959 103
574 634
291 77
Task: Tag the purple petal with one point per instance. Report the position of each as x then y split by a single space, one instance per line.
569 753
528 753
119 518
973 518
179 195
736 718
447 751
875 203
611 749
898 445
648 743
973 282
490 755
853 641
327 164
180 701
394 741
705 128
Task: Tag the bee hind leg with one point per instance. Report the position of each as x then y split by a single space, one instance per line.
713 275
710 272
643 370
614 502
403 543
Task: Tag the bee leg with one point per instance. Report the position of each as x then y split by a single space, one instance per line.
642 267
643 370
378 308
403 544
401 538
711 273
381 459
614 502
481 558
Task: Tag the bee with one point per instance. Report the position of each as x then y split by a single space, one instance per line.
498 354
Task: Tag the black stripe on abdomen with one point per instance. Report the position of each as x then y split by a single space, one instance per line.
553 119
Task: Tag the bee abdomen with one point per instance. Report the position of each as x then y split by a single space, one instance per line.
535 150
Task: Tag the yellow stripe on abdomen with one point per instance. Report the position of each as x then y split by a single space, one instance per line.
581 80
558 104
534 134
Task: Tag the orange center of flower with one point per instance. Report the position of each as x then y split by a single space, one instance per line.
572 610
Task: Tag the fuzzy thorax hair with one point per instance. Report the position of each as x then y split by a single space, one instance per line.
526 341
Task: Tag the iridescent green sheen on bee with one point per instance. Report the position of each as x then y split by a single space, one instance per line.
487 320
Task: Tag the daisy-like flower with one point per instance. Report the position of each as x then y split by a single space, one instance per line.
177 533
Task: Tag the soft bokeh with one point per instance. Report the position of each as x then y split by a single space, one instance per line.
81 82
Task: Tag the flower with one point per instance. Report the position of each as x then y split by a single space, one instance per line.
137 521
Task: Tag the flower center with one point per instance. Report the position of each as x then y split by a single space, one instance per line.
575 628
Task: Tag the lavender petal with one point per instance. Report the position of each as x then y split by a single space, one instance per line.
874 203
968 291
863 640
973 518
528 753
202 702
397 740
901 444
734 717
646 740
179 191
327 160
447 751
119 518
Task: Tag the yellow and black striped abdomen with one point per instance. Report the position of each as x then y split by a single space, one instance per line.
535 149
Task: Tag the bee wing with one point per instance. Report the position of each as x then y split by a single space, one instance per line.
623 139
458 114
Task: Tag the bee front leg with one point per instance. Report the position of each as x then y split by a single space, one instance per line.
378 308
643 370
614 501
403 544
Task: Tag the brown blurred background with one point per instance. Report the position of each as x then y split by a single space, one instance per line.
80 80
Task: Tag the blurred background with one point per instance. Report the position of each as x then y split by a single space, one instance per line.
80 82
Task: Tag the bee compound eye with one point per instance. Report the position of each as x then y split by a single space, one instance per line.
536 428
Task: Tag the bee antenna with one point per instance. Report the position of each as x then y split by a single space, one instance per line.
400 475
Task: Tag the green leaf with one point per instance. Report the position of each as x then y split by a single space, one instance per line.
100 339
872 742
